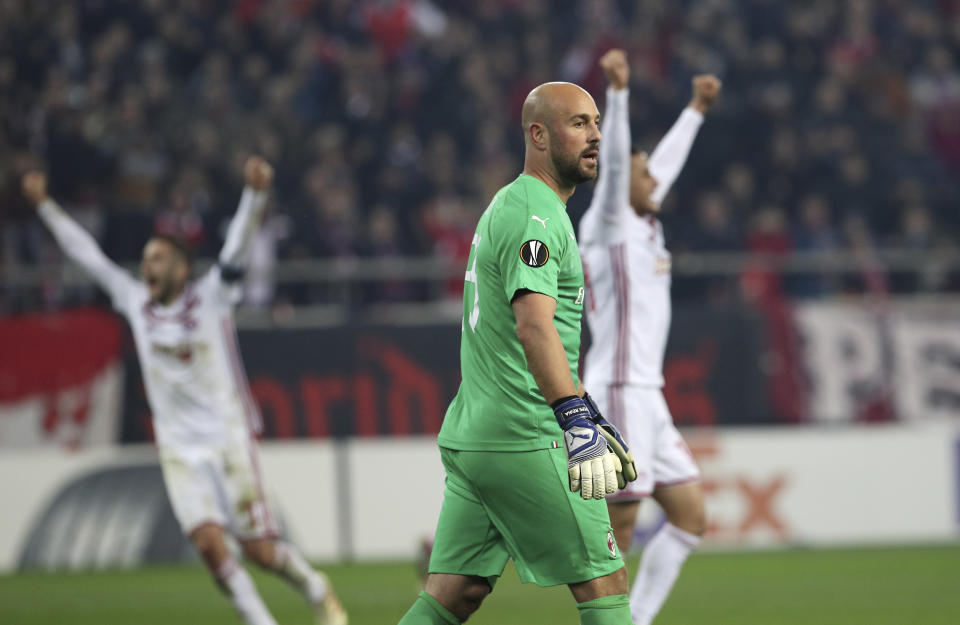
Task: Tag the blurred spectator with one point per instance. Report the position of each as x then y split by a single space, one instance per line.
814 233
714 229
412 106
917 233
450 225
917 228
871 276
768 242
382 241
183 216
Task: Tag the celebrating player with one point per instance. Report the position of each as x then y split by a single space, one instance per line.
203 414
527 464
628 281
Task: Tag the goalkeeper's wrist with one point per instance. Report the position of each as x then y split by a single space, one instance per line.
569 409
591 406
554 404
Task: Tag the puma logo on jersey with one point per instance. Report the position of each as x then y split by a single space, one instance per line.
543 222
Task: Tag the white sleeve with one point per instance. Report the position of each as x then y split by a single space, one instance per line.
611 197
226 291
80 246
240 233
668 159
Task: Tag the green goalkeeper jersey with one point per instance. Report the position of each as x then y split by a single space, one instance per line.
524 241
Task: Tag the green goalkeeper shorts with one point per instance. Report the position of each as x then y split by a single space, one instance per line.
499 505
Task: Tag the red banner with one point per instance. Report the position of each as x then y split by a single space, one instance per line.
60 379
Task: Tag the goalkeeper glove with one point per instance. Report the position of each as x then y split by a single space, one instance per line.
592 466
616 442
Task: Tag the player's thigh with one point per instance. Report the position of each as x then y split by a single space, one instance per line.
673 464
683 505
189 474
629 409
241 481
466 542
623 519
554 536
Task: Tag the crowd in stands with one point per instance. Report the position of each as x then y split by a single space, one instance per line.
392 122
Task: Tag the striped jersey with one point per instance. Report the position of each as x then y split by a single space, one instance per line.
625 260
188 354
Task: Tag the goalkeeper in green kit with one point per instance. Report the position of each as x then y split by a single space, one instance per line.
528 458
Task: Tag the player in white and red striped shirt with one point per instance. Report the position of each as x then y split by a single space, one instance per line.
204 417
627 268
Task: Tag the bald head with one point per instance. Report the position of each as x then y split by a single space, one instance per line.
561 129
552 101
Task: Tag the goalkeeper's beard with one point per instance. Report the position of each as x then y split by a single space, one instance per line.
569 168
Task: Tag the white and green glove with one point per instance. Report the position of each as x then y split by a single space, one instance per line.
628 470
592 465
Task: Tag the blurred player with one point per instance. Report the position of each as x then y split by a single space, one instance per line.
628 281
203 415
527 466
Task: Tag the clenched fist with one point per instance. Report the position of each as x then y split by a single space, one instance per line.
616 68
257 173
34 186
706 88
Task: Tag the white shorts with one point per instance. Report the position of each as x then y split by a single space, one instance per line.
218 486
644 421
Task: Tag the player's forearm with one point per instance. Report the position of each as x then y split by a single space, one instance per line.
546 359
671 153
614 177
242 227
78 244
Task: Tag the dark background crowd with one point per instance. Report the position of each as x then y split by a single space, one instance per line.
391 123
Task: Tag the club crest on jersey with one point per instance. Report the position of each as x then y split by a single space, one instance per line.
611 544
534 253
182 352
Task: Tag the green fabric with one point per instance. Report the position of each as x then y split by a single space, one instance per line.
611 610
427 611
501 505
499 406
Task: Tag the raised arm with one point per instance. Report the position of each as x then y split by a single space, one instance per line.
76 242
258 175
612 194
671 153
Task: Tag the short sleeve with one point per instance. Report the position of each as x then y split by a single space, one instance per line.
530 253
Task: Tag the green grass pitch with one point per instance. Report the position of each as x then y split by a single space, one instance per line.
825 587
